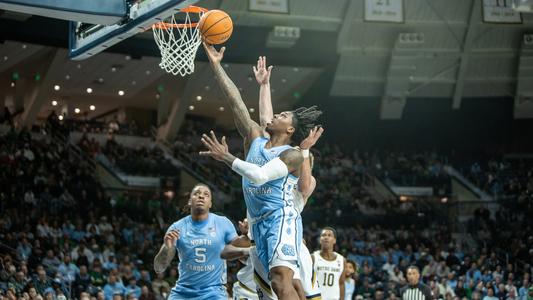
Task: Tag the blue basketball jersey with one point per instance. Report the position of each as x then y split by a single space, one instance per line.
274 194
199 246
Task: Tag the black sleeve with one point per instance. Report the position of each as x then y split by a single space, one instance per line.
428 293
402 291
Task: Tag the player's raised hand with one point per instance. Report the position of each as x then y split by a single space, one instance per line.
171 238
261 72
243 226
212 53
312 138
217 150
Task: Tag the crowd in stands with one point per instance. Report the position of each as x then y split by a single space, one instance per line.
142 160
417 169
187 145
113 126
496 262
502 177
63 236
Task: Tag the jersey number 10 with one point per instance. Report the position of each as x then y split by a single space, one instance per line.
328 279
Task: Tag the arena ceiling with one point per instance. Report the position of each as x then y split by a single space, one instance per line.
442 49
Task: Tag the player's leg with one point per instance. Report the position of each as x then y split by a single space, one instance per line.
281 281
262 282
297 284
308 276
284 241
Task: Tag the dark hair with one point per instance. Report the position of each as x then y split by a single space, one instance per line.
303 120
413 267
353 263
331 229
187 207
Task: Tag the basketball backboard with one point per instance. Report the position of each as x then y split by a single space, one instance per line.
86 40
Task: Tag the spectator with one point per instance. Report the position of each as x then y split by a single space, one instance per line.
147 295
51 263
159 283
41 283
133 289
17 283
113 288
523 291
67 269
24 249
82 282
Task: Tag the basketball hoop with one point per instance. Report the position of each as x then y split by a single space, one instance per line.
178 40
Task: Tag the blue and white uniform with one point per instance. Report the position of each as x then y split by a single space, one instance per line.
276 226
307 272
244 288
202 273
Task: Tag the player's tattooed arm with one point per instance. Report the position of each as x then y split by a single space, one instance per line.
247 128
292 158
167 252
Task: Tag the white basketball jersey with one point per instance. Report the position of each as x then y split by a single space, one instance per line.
298 201
246 275
328 274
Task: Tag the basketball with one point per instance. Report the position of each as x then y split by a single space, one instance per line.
215 26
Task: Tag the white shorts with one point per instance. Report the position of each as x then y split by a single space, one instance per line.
241 292
308 275
261 277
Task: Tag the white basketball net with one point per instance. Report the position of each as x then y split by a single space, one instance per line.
178 46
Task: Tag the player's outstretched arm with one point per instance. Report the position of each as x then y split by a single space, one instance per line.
247 128
231 252
289 161
306 181
167 252
262 75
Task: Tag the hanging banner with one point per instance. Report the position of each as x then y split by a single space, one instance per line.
384 11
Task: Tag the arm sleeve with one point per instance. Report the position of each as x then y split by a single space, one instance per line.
402 291
272 170
229 231
428 293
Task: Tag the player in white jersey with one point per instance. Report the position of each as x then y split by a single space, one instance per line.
306 181
244 288
329 266
305 281
310 290
307 273
275 225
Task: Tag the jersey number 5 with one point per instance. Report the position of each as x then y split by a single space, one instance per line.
200 255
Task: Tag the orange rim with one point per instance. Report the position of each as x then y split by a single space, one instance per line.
189 9
194 9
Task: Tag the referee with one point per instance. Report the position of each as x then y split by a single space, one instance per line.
415 290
